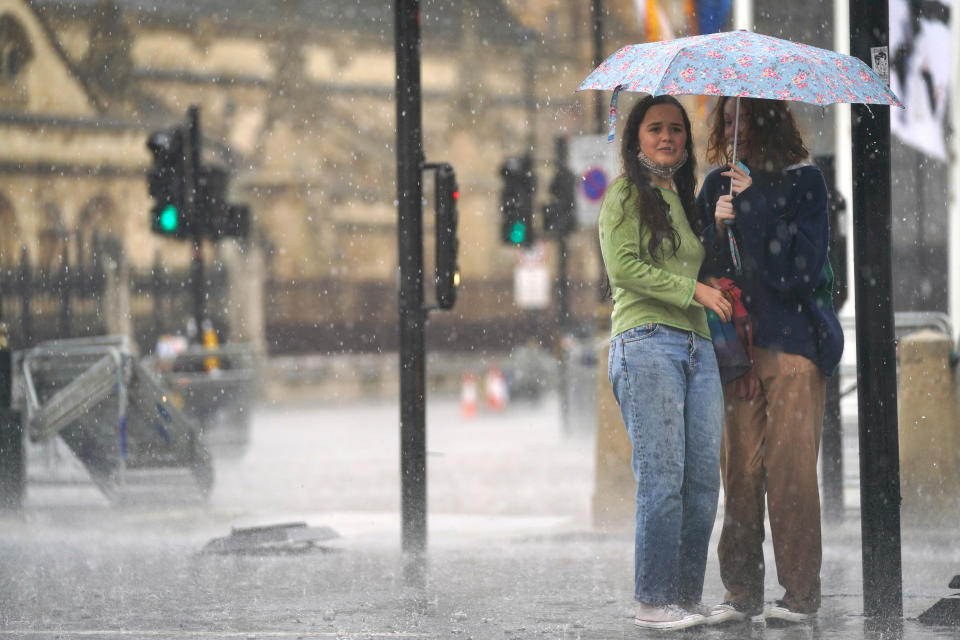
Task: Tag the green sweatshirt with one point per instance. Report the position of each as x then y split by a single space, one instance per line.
648 290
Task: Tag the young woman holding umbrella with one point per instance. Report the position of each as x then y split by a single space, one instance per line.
662 365
774 415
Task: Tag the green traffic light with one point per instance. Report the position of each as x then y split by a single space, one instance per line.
169 220
518 232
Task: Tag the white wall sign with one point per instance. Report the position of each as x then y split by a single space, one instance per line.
531 279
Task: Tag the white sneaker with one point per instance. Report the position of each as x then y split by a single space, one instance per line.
780 612
696 607
666 617
725 612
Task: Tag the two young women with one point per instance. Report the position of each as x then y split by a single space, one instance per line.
663 249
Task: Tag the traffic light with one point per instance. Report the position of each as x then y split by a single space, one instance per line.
211 201
559 215
238 221
166 181
447 244
220 218
516 201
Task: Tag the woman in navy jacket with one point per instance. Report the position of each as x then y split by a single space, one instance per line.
778 214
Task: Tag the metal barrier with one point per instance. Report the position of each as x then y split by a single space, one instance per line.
904 321
110 410
217 388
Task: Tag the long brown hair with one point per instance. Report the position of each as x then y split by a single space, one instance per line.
653 210
771 139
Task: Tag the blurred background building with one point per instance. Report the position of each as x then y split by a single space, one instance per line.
296 101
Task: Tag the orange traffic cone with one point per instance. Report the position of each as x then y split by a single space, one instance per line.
468 395
495 387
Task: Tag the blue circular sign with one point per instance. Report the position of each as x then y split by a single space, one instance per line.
594 184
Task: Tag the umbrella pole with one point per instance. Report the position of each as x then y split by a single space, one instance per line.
734 250
736 131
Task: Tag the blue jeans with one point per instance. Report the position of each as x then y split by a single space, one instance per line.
668 386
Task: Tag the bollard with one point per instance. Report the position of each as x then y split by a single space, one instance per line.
12 471
615 488
929 432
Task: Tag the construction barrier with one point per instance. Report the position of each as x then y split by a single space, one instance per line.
113 412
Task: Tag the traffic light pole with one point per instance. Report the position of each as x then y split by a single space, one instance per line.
564 329
596 10
831 439
876 357
562 198
191 153
413 456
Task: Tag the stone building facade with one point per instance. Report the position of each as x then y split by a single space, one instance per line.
296 100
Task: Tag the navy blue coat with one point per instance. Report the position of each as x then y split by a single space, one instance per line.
783 233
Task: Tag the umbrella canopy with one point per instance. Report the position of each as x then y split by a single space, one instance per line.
743 64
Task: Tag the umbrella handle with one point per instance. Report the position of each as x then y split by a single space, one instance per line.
734 251
612 130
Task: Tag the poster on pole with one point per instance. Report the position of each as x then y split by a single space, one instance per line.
595 163
921 63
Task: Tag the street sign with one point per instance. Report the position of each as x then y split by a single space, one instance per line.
531 279
595 163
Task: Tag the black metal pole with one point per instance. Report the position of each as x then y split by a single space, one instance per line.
63 284
831 441
26 299
563 277
529 97
600 112
563 282
563 285
156 283
876 357
596 7
413 452
831 453
192 213
12 466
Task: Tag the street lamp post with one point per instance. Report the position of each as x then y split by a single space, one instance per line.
413 456
876 357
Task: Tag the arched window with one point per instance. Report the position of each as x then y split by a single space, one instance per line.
52 238
15 54
97 227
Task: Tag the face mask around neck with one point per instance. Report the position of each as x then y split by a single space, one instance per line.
664 172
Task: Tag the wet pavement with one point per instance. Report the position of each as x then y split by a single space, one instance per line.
511 551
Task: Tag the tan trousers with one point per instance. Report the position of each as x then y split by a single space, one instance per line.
770 445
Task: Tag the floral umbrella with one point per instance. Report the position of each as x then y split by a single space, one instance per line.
741 64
